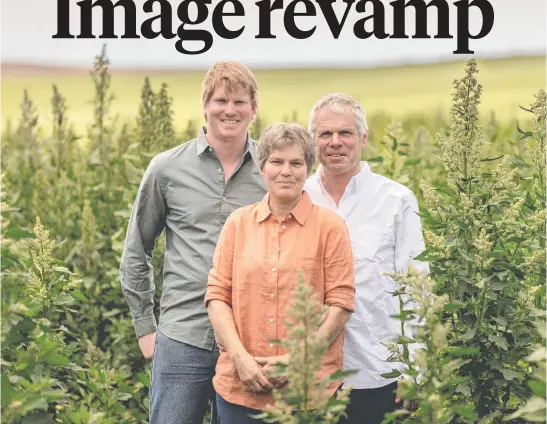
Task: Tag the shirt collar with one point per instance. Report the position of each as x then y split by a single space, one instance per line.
202 145
356 183
300 212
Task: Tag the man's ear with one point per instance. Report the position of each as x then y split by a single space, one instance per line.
364 140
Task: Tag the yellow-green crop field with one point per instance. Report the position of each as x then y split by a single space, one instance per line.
400 91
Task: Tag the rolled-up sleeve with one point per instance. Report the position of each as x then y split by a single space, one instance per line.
339 270
136 271
219 283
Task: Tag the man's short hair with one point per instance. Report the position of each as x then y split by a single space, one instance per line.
337 102
233 75
281 136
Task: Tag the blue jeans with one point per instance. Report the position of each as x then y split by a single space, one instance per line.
181 384
230 413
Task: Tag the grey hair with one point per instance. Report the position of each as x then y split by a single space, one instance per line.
337 102
281 136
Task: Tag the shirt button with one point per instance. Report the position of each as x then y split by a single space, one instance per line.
273 269
290 216
271 294
283 226
271 344
223 198
271 319
219 169
210 149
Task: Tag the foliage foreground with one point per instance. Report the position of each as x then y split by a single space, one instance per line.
474 355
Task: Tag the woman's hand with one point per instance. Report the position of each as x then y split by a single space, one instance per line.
250 373
268 366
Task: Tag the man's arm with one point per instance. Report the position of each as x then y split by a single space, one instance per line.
136 271
409 244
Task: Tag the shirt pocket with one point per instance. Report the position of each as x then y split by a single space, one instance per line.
368 242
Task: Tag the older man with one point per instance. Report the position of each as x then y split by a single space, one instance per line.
189 190
385 231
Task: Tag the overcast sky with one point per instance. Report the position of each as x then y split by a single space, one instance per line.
28 26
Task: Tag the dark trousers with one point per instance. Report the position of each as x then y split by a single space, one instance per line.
368 406
230 413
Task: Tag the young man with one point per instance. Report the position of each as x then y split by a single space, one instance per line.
189 190
386 236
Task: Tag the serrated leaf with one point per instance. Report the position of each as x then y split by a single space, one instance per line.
499 341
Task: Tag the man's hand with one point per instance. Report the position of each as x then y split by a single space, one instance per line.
268 365
250 373
147 343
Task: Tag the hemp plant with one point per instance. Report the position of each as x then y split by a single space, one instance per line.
481 232
304 399
429 374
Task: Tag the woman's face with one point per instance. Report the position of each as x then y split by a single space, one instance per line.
285 173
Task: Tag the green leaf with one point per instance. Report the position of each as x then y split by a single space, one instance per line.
501 321
499 341
341 374
510 374
538 388
78 295
412 162
463 389
53 358
7 391
466 411
392 374
376 159
404 340
466 256
462 351
454 306
36 403
16 233
124 396
41 418
64 299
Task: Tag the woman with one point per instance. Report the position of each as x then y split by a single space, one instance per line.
254 272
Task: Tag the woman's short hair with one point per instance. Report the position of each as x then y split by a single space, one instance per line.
337 102
281 136
233 75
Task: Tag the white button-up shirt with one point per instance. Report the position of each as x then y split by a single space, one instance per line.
386 235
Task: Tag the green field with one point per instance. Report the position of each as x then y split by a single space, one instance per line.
400 91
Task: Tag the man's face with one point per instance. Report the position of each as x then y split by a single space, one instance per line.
338 142
228 114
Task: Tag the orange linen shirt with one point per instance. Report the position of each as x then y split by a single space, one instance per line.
255 272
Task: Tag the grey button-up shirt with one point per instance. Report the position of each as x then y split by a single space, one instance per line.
184 191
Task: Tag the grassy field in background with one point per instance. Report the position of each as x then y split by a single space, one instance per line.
400 91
